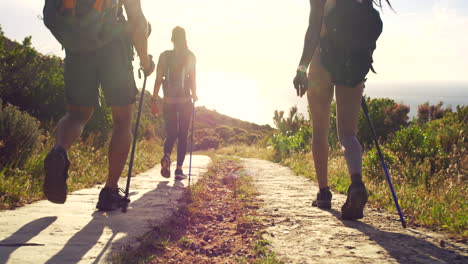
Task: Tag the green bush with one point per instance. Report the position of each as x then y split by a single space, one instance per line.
372 165
31 81
425 153
224 133
284 145
386 115
19 136
206 143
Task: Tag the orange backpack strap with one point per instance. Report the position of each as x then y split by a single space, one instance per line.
98 5
69 6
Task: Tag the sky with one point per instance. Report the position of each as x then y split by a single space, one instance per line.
247 51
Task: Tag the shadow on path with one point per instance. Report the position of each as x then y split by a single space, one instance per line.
402 247
22 236
118 222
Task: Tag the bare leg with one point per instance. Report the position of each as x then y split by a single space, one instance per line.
120 143
71 125
320 95
348 104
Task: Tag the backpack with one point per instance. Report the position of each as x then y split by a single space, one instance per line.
352 31
84 25
177 80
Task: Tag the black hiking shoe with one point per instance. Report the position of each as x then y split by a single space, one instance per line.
56 166
324 197
111 200
165 166
179 175
353 208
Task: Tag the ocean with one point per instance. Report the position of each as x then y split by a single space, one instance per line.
411 94
415 94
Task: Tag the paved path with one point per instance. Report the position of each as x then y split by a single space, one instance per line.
301 233
77 233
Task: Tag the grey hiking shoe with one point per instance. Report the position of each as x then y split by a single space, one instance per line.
56 166
324 197
179 175
111 200
353 208
165 166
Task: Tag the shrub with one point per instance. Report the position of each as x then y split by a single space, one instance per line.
206 143
19 135
31 81
428 112
224 133
284 145
386 115
372 165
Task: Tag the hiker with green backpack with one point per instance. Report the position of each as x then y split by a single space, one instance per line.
337 56
177 74
98 43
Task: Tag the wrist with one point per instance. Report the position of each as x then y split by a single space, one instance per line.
145 60
302 68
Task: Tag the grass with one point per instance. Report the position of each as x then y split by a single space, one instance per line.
247 151
173 233
88 167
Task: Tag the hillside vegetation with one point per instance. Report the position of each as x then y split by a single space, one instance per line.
427 158
32 101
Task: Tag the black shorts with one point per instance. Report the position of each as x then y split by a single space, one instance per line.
345 68
109 67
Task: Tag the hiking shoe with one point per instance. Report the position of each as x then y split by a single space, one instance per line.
324 197
179 175
165 166
56 166
111 199
353 208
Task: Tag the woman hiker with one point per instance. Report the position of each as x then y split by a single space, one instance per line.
338 64
176 73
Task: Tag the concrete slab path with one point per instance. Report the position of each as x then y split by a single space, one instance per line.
76 232
300 233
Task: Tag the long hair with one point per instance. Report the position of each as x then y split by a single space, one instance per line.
179 39
379 3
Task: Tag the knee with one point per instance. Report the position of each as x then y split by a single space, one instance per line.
81 116
348 140
122 125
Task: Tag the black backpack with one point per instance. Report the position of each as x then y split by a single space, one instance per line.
352 32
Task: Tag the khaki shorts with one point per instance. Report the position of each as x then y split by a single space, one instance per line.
109 67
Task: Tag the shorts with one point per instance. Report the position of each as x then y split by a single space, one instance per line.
348 69
109 67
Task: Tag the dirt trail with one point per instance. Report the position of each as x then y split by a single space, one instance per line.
76 233
301 233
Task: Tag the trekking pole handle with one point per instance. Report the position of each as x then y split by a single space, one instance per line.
140 70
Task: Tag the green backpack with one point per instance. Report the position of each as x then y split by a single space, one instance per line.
84 25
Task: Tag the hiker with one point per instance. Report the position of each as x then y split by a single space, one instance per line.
100 55
337 53
176 73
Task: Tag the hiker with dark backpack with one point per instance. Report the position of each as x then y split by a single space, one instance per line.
337 54
98 43
177 74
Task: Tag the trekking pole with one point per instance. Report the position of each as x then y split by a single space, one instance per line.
384 165
191 145
135 135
